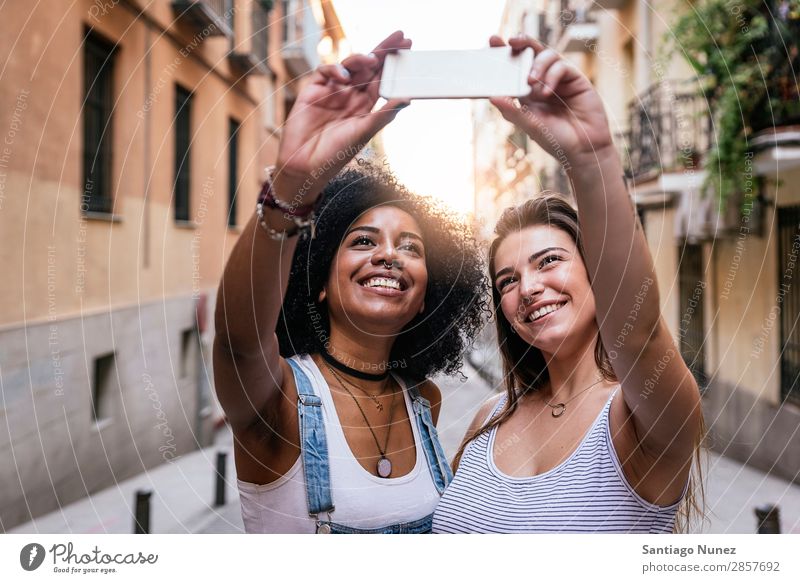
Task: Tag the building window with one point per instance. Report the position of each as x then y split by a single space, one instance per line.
103 383
691 331
183 110
788 280
233 165
98 103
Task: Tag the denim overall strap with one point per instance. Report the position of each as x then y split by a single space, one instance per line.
421 526
437 462
313 444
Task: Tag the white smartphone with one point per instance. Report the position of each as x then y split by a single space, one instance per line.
490 72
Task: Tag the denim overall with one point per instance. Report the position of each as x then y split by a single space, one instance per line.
314 451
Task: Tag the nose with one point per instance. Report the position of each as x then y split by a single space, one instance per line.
386 254
530 288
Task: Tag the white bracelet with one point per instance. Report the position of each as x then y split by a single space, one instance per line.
301 225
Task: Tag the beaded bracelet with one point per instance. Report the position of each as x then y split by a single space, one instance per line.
302 216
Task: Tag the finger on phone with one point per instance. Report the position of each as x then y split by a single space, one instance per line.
336 73
362 68
520 43
542 63
391 43
355 63
379 119
496 41
395 105
508 109
554 76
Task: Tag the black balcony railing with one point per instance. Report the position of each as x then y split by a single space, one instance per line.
669 130
252 60
209 16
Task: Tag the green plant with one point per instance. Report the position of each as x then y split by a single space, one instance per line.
746 52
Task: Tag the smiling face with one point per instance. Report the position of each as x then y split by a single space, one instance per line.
361 291
544 289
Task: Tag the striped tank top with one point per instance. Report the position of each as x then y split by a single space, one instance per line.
586 493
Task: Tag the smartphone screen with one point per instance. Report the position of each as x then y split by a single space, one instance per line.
490 72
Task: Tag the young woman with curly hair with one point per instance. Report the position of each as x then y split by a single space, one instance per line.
601 418
324 345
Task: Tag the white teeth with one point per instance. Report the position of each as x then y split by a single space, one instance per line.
382 282
545 310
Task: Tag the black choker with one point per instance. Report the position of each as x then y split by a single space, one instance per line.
364 376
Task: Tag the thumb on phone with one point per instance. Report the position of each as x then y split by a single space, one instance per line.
509 110
377 120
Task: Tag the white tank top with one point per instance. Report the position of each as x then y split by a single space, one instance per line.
362 500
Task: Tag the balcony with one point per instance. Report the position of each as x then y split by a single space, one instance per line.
777 150
253 61
669 131
609 4
664 150
209 17
578 32
302 34
776 119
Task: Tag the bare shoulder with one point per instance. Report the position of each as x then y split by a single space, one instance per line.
480 418
431 392
484 411
433 395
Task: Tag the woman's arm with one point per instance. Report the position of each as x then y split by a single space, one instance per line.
564 114
657 386
331 121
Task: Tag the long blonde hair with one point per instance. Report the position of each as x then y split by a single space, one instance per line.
524 367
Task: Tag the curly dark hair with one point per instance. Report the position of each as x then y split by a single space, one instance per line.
456 298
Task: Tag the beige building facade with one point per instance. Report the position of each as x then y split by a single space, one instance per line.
729 285
135 136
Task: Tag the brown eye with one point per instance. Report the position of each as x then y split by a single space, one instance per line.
362 240
413 247
548 260
501 285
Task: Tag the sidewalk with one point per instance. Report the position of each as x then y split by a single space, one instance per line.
183 489
182 499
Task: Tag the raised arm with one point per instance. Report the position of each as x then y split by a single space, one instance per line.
564 114
331 121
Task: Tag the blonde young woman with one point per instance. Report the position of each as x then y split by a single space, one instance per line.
601 419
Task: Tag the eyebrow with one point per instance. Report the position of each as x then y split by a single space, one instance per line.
406 234
531 259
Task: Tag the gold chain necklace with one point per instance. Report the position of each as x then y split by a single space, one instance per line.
373 398
384 466
559 408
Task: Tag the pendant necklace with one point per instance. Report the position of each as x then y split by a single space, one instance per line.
384 466
559 408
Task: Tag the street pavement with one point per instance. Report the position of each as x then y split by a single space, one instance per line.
183 489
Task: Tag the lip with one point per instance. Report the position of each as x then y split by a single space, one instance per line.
538 306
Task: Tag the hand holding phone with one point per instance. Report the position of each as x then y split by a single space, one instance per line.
472 74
